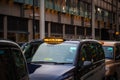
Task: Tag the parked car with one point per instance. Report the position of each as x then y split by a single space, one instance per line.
12 62
58 59
29 48
112 59
21 43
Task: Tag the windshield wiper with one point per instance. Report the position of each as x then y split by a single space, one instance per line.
61 63
50 62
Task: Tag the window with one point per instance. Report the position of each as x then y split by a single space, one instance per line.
56 28
109 52
117 53
30 49
17 24
97 52
92 52
89 31
19 63
69 29
6 65
58 53
80 30
86 52
1 23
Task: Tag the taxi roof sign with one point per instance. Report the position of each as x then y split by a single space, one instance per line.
53 40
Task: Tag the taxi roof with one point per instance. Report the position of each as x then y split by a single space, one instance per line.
109 43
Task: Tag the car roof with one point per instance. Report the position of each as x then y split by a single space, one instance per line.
109 43
72 41
84 40
8 42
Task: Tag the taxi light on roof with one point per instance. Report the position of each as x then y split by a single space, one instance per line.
101 42
53 40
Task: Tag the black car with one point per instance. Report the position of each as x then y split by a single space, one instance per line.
29 48
57 59
12 62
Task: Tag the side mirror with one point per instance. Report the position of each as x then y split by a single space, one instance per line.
118 57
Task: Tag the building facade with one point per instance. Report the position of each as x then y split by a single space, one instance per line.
70 19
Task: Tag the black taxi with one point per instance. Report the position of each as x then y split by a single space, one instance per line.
58 59
13 64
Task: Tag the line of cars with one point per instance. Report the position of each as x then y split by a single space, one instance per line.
59 59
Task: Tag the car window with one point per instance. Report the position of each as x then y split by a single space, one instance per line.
97 52
86 52
30 49
109 52
7 71
60 53
19 61
92 52
117 52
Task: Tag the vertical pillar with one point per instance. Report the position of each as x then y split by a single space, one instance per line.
17 37
5 27
117 16
75 32
49 29
30 30
63 30
33 22
42 19
93 18
85 32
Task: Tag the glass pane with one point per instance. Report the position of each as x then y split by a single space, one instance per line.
1 35
60 53
22 37
1 23
108 52
6 67
19 63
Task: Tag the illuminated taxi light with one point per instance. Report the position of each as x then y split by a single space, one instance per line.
53 40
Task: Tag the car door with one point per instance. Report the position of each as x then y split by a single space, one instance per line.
117 61
84 61
98 61
90 63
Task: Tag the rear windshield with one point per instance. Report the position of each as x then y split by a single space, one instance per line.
108 52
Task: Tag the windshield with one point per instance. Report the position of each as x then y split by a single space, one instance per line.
59 53
108 51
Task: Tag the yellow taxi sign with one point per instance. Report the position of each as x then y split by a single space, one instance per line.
101 42
53 40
